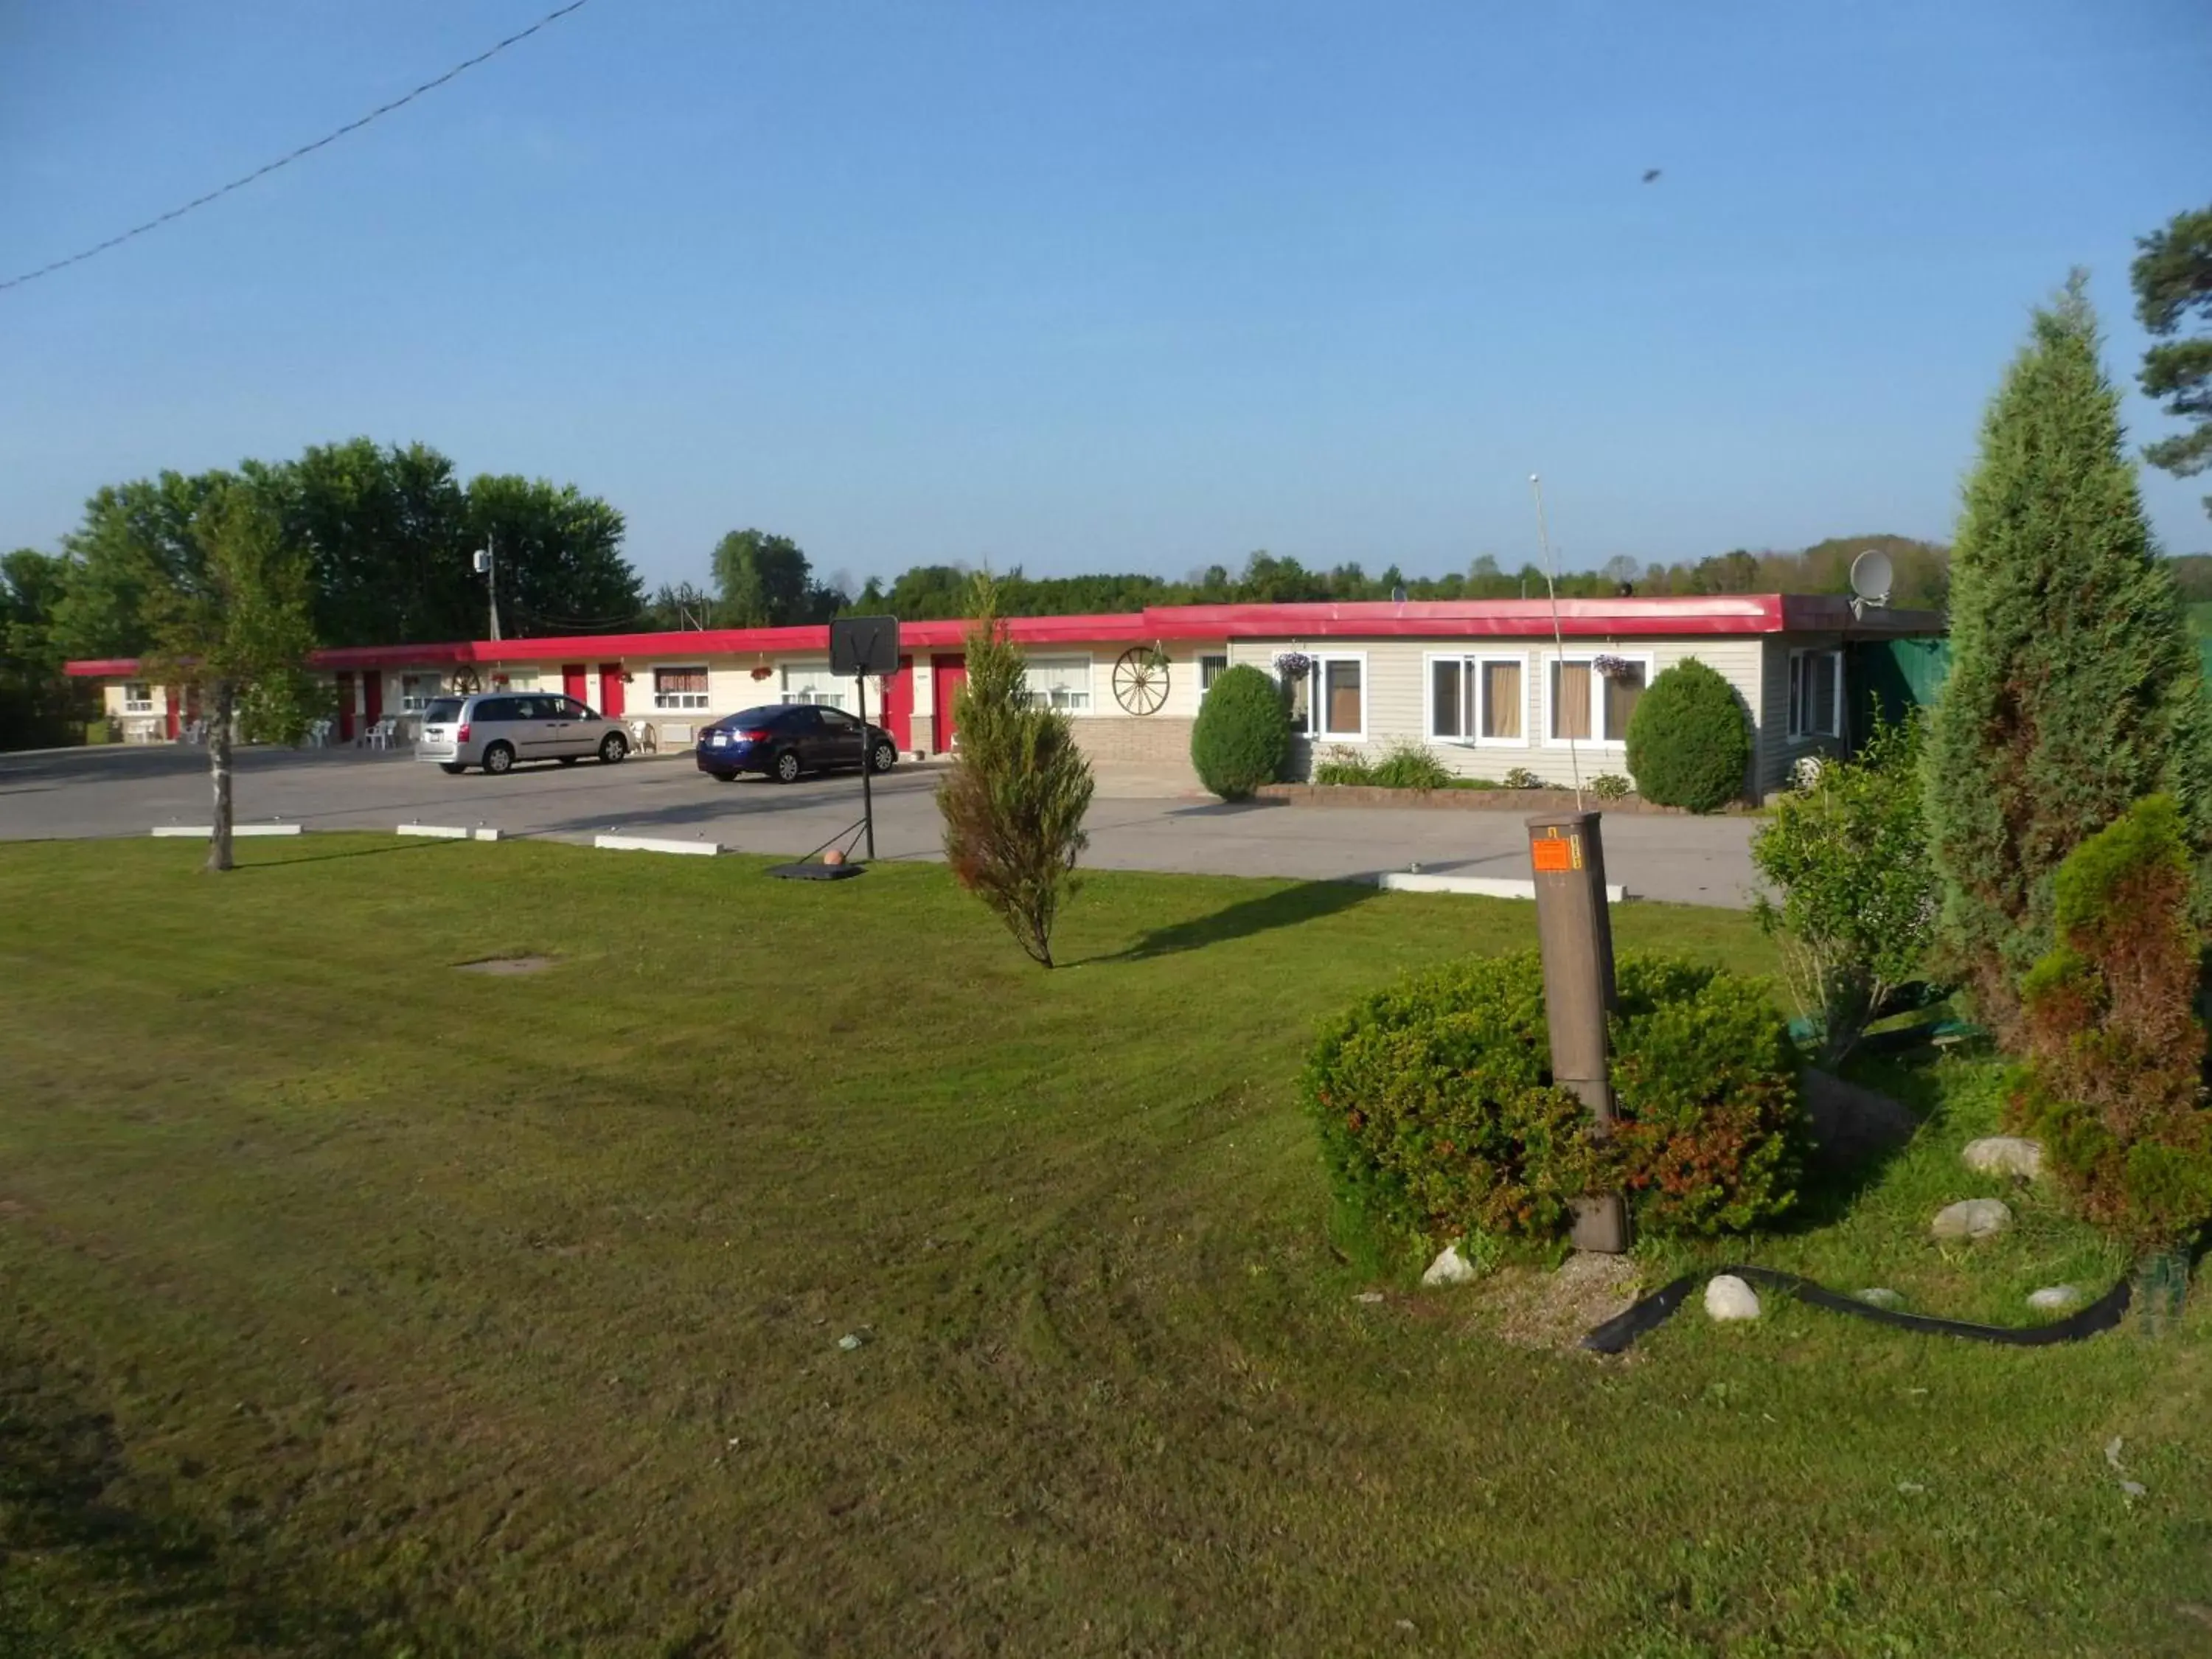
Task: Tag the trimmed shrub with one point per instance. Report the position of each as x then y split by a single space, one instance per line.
1610 785
1849 851
1688 743
2114 1086
1712 1136
1241 735
1520 777
1439 1118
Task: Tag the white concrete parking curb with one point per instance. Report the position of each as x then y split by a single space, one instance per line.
206 831
447 831
653 844
1478 886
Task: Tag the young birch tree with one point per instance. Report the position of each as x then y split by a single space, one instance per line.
233 620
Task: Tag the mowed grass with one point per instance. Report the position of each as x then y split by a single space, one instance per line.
357 1306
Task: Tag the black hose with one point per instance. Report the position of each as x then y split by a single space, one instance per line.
1616 1333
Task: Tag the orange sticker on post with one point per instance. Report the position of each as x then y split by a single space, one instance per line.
1554 855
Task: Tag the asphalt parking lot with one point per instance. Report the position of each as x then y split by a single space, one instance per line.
113 792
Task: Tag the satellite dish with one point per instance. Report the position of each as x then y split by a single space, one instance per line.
1871 576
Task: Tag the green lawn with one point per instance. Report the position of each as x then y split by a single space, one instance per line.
356 1306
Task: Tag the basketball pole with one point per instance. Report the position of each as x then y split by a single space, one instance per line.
867 767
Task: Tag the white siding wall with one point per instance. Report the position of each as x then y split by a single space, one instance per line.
1777 751
1397 693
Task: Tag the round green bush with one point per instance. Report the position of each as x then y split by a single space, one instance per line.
1439 1118
1242 734
1688 743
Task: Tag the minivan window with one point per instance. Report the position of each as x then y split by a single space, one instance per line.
492 709
442 711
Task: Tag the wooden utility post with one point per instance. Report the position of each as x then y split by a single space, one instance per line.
1575 931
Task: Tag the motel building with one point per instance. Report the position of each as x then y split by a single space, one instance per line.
1488 685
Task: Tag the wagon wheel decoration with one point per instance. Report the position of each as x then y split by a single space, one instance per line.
1140 679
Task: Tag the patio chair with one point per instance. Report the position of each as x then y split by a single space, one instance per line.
641 738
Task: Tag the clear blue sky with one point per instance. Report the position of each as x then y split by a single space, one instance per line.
1130 285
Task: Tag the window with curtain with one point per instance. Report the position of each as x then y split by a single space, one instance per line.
812 682
1343 707
679 688
1571 702
1061 683
138 697
1623 691
1502 702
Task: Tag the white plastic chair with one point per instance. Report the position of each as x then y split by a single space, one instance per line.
640 738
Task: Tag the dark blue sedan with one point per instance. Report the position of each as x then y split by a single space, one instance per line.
783 740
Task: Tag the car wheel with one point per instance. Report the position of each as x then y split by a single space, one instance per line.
612 748
451 768
499 759
787 767
886 757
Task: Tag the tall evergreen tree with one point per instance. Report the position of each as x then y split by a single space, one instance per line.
1014 799
2074 688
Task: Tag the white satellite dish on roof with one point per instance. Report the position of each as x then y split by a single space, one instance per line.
1872 574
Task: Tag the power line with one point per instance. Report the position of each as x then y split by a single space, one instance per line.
304 149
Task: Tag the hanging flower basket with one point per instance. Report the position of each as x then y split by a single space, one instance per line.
762 672
1614 668
1292 664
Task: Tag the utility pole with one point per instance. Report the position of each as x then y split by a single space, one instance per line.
487 566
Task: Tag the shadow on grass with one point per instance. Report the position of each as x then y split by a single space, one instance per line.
107 1564
407 844
1287 906
1832 1186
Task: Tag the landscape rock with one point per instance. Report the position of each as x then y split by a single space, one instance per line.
2004 1155
2057 1298
1728 1297
1880 1296
1973 1218
1369 1297
1449 1268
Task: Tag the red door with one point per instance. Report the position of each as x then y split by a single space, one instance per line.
946 676
572 680
345 705
611 691
372 692
898 704
176 726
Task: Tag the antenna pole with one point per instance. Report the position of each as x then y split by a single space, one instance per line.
1558 638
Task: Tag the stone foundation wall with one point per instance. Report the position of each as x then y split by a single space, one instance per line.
1152 740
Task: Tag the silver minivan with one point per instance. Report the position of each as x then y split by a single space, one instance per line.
496 730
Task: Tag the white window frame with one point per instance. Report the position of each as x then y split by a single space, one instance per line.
1051 697
142 703
1317 690
1471 662
833 699
1798 658
427 686
667 701
1206 656
1598 702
